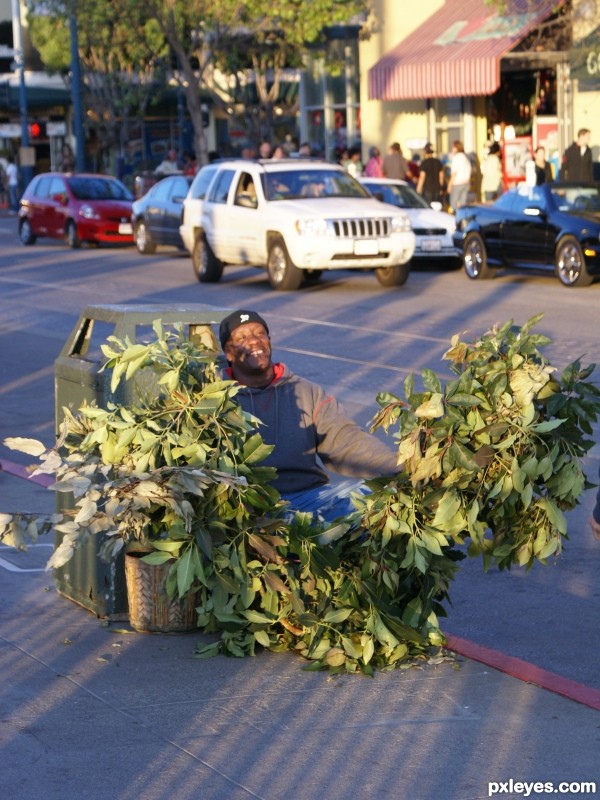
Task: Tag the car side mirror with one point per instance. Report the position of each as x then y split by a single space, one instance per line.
61 198
378 196
436 205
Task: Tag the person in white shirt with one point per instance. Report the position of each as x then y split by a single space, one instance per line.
169 165
12 180
491 173
460 176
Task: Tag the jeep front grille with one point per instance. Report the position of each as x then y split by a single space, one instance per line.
361 228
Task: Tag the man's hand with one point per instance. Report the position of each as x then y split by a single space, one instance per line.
595 526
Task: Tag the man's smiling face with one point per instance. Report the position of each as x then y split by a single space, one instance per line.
248 349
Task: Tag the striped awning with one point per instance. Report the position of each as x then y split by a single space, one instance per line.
456 52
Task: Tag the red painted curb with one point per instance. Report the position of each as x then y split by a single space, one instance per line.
21 472
526 672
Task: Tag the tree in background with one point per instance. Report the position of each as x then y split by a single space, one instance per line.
217 47
274 38
123 59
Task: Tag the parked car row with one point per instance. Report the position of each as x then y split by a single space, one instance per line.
295 219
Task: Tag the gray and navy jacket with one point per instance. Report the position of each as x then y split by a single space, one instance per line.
310 431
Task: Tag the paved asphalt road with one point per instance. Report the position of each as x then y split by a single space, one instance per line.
260 727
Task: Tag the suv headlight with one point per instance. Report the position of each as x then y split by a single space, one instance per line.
400 223
313 226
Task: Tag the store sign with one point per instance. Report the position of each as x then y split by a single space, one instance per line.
584 61
10 131
56 129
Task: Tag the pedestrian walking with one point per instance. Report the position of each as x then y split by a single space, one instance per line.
394 164
12 180
460 176
577 163
353 164
374 166
491 173
431 177
543 168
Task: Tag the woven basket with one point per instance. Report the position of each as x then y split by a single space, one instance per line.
151 610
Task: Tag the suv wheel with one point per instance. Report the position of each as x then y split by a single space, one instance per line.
143 239
26 234
71 237
392 276
284 275
207 266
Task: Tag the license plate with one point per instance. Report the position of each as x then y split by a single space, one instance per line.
431 245
125 228
366 247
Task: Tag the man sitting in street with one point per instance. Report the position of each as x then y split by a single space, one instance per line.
307 427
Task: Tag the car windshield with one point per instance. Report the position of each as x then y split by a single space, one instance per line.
310 183
397 194
99 189
576 198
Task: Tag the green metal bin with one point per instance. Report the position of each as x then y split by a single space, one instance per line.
86 579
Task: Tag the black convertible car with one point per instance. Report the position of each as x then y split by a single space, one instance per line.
553 225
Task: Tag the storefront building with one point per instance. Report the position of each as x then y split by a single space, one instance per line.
459 69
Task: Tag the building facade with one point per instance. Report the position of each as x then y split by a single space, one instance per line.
458 69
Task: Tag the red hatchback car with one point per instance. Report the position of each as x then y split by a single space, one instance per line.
77 208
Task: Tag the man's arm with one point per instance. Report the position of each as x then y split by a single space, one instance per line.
345 447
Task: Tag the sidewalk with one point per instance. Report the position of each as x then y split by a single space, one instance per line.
93 710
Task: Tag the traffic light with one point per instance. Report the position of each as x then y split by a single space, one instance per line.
37 130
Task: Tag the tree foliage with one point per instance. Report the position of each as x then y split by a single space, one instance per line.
218 48
122 54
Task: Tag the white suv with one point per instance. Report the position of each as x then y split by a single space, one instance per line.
293 217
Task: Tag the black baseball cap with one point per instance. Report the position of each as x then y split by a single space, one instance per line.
235 319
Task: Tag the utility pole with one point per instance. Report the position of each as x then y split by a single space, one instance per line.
76 92
26 167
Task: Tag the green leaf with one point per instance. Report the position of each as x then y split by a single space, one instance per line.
185 572
447 508
368 649
262 637
463 399
548 425
337 615
157 558
255 450
431 382
431 408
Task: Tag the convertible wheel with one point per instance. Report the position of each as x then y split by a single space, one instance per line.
71 237
143 239
284 275
26 235
475 258
207 266
393 276
570 263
